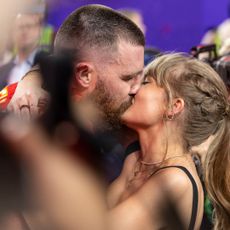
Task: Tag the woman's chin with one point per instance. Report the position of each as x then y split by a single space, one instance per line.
124 119
127 122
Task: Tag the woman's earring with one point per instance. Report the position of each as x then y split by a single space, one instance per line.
170 117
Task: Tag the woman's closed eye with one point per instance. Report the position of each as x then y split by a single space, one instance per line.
148 79
145 82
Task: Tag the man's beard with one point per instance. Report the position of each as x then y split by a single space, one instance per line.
104 101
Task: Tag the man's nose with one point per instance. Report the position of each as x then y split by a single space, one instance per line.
135 87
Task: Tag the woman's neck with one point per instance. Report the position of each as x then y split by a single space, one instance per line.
159 143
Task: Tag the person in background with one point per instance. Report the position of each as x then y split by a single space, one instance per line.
31 39
26 35
8 10
6 53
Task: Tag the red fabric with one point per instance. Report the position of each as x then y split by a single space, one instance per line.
6 94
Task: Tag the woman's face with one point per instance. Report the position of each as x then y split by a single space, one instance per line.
148 106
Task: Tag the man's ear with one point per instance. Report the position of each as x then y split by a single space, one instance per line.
83 74
176 108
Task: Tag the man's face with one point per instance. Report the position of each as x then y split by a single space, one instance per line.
27 30
117 80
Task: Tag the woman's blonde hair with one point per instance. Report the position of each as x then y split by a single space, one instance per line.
206 113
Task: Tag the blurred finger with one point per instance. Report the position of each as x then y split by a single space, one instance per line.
25 113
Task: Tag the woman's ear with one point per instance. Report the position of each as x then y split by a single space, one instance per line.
178 105
176 108
83 74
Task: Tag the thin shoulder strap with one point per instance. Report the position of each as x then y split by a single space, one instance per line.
23 221
195 194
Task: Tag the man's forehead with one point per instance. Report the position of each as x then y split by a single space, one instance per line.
126 59
124 46
130 57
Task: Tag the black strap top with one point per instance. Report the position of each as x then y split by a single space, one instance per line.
195 194
24 223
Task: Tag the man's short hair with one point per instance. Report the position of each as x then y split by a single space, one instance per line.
97 26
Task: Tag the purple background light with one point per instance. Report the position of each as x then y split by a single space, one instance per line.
171 24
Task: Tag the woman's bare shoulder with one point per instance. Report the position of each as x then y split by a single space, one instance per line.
172 180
